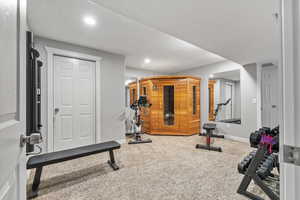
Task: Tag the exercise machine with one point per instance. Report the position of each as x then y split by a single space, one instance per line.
33 98
137 122
219 106
259 164
209 127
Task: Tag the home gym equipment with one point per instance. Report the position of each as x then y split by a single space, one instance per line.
212 132
244 164
33 95
209 127
258 165
219 106
42 160
137 122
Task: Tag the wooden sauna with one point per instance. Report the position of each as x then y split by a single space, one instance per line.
211 93
175 103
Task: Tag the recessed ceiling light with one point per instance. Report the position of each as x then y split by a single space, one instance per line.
89 20
147 60
211 76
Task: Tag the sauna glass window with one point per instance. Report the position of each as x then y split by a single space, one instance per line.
194 100
169 105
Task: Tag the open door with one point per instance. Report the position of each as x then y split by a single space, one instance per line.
290 126
12 97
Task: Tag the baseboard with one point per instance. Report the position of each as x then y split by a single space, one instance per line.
235 138
122 141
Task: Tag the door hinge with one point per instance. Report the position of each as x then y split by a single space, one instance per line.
291 155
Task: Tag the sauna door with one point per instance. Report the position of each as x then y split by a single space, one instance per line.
168 113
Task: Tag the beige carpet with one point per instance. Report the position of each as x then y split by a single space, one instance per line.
170 168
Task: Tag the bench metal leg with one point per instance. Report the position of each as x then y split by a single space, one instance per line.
36 182
112 161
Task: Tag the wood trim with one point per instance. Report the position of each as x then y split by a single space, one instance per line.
51 52
211 109
170 77
133 93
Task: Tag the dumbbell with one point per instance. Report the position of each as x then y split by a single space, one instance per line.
243 165
266 167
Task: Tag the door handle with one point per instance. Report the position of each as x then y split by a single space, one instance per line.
34 138
274 106
56 110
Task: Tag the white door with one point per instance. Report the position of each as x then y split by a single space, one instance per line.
12 98
74 102
269 96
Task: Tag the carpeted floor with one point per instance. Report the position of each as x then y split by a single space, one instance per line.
170 168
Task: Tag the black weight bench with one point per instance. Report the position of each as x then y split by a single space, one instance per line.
42 160
209 127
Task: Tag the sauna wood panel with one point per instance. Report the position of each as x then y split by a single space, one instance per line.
185 121
133 92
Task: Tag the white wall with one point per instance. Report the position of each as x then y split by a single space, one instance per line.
112 87
237 99
133 73
248 96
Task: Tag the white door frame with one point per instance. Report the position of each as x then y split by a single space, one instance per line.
260 67
51 52
290 59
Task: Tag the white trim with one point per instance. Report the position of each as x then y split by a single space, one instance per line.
288 126
235 138
260 68
258 96
51 52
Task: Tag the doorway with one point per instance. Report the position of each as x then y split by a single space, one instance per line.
74 103
73 99
269 95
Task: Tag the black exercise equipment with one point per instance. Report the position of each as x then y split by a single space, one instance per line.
209 127
255 137
137 133
267 166
220 105
244 164
232 121
258 165
42 160
33 91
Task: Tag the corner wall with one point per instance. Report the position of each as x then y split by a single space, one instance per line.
248 96
112 87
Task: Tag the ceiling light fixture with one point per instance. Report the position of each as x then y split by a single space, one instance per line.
147 60
89 20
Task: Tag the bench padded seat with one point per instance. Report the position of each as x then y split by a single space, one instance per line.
42 160
69 154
